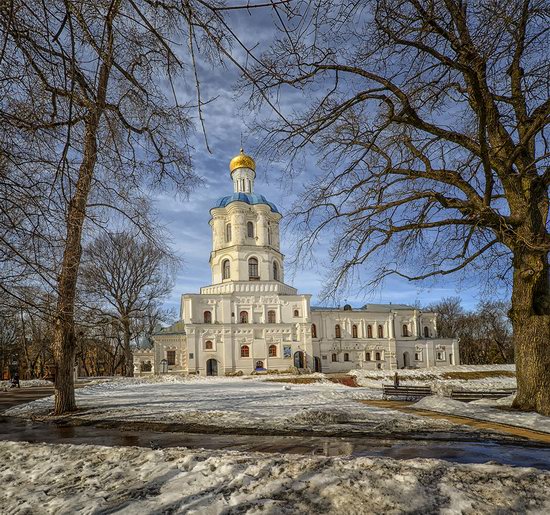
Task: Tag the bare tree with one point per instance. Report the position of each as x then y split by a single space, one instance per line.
449 314
127 276
485 333
431 122
91 119
8 336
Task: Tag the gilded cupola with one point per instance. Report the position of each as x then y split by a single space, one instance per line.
242 161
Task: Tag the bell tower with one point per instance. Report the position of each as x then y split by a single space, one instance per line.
245 231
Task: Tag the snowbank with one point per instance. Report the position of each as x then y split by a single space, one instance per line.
5 385
483 411
63 479
236 403
435 377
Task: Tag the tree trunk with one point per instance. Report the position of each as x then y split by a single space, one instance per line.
128 355
64 338
530 316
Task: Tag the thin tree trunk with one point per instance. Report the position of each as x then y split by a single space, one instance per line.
531 322
64 339
128 355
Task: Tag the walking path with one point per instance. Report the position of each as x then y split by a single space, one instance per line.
498 427
15 396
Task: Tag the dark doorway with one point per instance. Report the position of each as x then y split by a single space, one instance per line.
317 364
211 367
299 361
406 360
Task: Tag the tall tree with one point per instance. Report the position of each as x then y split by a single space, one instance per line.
90 119
127 277
449 314
431 121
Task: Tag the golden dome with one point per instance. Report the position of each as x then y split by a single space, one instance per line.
242 161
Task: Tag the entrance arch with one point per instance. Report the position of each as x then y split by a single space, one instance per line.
317 364
299 361
406 360
212 367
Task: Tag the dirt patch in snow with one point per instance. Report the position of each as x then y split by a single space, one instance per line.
478 375
295 380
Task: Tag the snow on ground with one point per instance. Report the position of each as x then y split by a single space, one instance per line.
435 377
66 479
5 385
237 403
483 410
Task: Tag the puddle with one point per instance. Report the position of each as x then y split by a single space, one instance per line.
538 456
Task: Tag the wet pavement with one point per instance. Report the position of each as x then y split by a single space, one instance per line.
15 396
14 429
458 451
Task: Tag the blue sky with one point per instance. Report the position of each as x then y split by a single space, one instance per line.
187 224
226 122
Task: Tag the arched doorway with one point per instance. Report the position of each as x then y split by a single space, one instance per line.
212 367
299 361
317 364
406 360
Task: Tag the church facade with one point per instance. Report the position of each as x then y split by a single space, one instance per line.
249 319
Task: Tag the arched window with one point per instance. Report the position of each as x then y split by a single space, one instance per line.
334 358
253 269
377 356
245 351
271 317
208 345
269 237
313 331
296 313
226 269
405 330
380 332
207 317
250 229
426 332
228 233
354 331
369 331
337 331
275 271
243 316
367 356
272 351
346 356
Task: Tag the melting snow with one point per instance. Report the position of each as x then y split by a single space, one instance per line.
63 479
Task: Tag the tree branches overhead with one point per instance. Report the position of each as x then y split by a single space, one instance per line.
430 119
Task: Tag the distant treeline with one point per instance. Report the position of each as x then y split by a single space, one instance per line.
485 333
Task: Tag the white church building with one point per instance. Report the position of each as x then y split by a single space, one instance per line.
249 319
